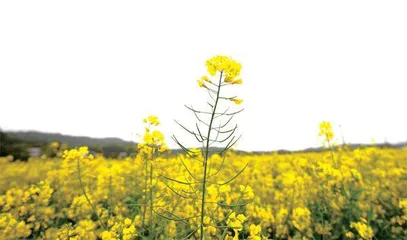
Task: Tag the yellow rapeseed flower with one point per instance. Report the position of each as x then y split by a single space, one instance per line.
325 130
237 101
237 81
349 235
201 83
363 229
301 218
22 230
206 79
153 120
229 67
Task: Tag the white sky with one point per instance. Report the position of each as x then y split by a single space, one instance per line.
96 68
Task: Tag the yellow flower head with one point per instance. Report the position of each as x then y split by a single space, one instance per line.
127 222
152 138
229 67
237 81
228 80
106 235
153 120
247 192
255 230
82 153
403 203
301 218
325 130
201 83
237 101
157 135
364 230
206 79
236 222
22 230
349 235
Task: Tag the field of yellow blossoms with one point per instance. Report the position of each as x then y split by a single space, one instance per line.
361 194
338 193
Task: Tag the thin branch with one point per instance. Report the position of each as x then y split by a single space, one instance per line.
197 111
230 144
224 125
200 120
228 131
227 98
234 113
194 190
186 168
210 95
217 136
211 90
189 131
178 181
214 84
225 218
220 167
210 104
228 181
234 205
228 136
199 131
192 233
204 112
179 194
171 219
186 150
222 114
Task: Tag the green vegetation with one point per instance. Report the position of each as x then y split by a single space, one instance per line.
17 144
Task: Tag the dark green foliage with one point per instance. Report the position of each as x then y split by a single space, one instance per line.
72 141
18 143
18 148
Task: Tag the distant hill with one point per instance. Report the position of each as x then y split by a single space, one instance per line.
18 141
73 141
350 145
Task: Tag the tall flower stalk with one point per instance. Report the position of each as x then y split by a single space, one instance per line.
325 131
152 144
226 71
82 155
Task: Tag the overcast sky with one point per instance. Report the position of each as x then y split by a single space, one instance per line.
97 68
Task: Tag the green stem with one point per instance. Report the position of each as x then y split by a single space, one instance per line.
206 158
35 215
86 196
145 189
332 154
109 200
151 199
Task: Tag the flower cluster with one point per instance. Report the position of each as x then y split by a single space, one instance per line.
325 131
152 139
364 231
236 223
229 70
125 230
229 67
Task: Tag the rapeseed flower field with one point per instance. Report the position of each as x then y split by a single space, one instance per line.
338 193
299 195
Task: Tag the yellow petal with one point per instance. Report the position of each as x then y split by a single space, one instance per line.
236 101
